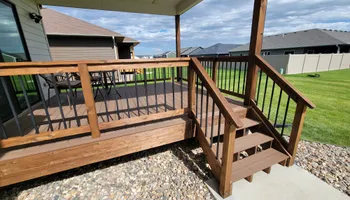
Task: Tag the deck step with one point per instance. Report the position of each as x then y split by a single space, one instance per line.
245 142
255 163
247 123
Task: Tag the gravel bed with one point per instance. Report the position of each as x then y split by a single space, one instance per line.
175 171
330 163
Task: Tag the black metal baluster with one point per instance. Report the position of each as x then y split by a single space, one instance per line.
12 107
71 96
173 85
28 104
278 108
155 87
26 81
44 102
2 130
206 114
181 88
258 93
212 125
244 76
104 98
116 95
58 100
285 115
264 98
218 139
164 87
126 94
225 84
202 91
239 76
272 92
146 90
137 94
230 76
234 77
222 76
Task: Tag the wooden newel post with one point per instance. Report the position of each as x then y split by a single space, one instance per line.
191 90
227 159
215 69
178 45
256 41
295 134
89 100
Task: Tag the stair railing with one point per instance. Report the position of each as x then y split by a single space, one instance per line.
205 100
280 106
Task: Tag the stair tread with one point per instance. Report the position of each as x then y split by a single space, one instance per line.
245 142
255 163
247 123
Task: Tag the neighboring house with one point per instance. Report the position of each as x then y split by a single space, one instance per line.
218 49
144 56
188 51
73 39
313 41
167 54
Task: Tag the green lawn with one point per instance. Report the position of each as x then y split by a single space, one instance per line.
330 121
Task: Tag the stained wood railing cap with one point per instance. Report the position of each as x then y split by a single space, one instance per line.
286 86
91 62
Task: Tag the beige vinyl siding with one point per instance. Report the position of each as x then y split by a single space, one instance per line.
81 48
34 33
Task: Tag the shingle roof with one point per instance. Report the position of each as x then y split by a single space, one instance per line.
216 49
299 39
189 50
56 23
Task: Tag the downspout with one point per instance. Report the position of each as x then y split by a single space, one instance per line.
115 47
338 48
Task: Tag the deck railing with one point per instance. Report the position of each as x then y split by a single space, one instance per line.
229 73
205 99
92 96
280 106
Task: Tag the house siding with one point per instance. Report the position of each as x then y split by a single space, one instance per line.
34 33
81 48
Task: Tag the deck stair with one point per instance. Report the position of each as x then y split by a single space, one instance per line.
253 148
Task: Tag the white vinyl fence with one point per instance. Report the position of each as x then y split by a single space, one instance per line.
308 63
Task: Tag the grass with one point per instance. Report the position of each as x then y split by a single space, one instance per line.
328 123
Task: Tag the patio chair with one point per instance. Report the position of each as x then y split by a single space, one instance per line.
61 84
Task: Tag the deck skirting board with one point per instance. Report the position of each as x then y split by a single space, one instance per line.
46 163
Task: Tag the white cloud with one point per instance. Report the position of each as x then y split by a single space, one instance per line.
212 21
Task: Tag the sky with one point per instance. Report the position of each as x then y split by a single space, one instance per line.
217 21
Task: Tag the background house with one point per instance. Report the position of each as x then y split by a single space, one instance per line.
73 39
218 49
188 51
167 54
313 41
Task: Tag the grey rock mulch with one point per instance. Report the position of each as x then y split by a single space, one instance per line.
175 171
330 163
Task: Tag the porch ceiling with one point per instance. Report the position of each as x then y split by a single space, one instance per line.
160 7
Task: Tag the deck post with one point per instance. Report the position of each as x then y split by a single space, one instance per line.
178 45
89 100
256 41
191 90
227 159
295 134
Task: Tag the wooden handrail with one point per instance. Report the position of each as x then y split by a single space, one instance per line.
216 94
225 58
295 94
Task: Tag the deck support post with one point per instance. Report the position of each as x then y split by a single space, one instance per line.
295 134
178 45
89 100
191 90
227 159
215 69
256 40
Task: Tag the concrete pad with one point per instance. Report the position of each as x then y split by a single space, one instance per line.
293 183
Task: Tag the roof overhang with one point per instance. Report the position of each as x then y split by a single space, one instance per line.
159 7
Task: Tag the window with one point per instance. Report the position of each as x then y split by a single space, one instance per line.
289 52
266 53
13 49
